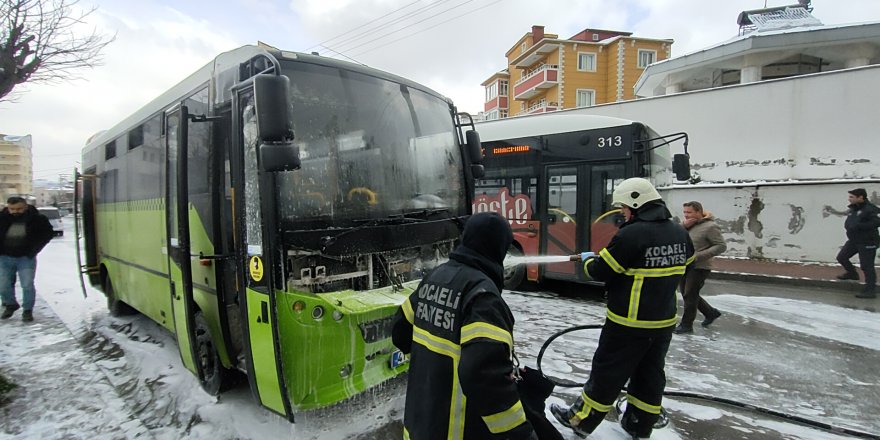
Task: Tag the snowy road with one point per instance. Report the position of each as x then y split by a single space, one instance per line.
85 374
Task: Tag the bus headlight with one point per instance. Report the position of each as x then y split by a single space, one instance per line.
317 312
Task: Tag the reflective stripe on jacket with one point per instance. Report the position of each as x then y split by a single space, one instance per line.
641 268
458 331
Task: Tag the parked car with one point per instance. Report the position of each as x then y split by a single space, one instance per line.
54 217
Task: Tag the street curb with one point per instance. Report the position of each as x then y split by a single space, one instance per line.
844 286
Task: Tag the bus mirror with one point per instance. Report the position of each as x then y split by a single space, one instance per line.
475 150
478 170
681 166
272 102
279 157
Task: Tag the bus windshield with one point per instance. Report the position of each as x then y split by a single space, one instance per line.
370 148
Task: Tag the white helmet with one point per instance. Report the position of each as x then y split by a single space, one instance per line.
634 193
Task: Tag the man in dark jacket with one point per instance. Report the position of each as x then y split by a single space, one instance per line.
23 234
459 334
641 268
862 222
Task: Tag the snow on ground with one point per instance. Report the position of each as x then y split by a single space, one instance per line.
85 374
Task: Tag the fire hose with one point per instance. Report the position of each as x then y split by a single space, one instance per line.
664 420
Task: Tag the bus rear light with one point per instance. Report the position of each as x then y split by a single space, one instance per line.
299 306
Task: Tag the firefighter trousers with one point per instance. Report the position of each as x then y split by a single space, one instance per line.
622 355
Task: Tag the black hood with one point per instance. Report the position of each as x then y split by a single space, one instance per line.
484 244
652 211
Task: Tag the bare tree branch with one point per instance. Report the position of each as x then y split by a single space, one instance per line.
43 41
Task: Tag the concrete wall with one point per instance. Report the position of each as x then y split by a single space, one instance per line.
776 157
797 222
819 126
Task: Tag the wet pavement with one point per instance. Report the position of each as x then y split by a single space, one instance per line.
798 345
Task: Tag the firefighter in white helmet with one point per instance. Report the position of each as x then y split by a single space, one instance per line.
641 268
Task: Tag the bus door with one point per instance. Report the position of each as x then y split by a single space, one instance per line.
177 225
561 208
604 218
257 296
577 213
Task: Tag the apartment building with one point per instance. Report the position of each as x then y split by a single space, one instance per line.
16 165
545 73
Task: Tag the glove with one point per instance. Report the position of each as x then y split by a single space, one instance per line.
585 255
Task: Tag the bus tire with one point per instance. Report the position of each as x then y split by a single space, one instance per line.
514 275
116 306
212 374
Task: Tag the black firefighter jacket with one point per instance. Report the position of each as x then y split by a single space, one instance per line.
861 224
641 268
459 334
38 231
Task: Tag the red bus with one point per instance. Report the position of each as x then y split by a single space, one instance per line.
552 177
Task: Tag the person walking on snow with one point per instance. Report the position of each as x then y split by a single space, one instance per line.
459 334
708 243
641 268
24 232
862 223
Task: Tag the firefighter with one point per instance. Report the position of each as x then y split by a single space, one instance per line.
641 268
458 332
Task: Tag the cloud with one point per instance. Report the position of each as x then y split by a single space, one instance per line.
154 49
455 47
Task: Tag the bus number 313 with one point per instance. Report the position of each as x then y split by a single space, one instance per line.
610 141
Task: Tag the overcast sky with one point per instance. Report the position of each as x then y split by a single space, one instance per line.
448 45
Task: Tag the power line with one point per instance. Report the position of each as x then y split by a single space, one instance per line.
340 53
401 19
407 26
367 23
428 28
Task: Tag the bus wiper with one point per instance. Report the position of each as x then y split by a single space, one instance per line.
424 214
396 219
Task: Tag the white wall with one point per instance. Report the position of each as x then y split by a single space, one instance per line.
820 126
797 222
760 142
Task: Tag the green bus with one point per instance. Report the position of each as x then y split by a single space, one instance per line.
272 211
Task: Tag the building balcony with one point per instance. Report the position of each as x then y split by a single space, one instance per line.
497 103
543 107
534 84
536 53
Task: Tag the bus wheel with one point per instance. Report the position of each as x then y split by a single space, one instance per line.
114 304
514 274
211 370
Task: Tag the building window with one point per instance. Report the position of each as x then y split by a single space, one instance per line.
586 62
586 98
491 91
503 88
110 150
502 113
136 137
491 116
522 47
646 57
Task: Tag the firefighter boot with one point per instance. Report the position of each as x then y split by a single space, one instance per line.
568 417
631 424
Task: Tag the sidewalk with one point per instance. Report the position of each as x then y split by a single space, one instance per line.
767 271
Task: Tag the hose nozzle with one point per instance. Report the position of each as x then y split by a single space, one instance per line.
581 256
